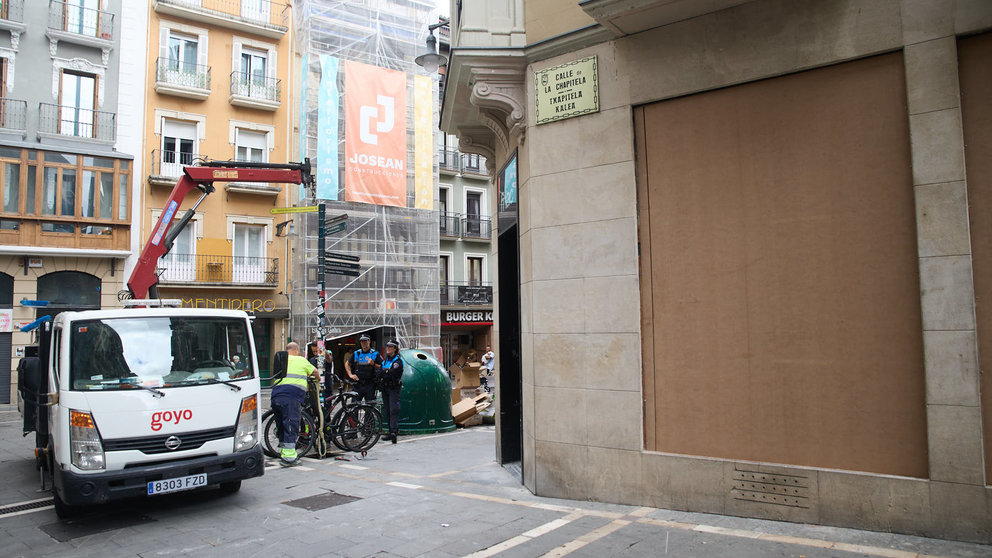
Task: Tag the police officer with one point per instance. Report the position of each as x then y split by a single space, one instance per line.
288 394
361 368
390 375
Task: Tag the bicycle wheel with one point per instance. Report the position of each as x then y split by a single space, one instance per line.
357 428
270 443
304 442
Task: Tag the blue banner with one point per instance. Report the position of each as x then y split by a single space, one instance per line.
327 129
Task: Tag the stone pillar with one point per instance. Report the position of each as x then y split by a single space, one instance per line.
954 423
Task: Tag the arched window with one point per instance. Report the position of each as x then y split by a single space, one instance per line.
70 290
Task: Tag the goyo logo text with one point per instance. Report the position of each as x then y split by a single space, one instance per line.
174 417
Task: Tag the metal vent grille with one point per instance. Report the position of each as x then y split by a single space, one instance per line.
766 488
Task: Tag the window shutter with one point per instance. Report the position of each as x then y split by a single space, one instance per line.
163 45
201 52
236 57
272 64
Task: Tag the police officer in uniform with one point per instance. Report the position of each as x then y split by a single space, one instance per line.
361 367
390 375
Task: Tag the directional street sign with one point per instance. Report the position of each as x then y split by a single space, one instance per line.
334 228
304 209
340 256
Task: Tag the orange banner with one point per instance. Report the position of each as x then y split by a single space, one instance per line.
374 135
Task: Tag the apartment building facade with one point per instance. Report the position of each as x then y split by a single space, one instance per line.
65 224
217 89
761 228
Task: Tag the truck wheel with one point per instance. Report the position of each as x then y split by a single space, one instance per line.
63 510
230 487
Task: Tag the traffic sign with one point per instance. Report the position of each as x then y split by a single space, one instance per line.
345 257
304 209
334 229
348 272
341 265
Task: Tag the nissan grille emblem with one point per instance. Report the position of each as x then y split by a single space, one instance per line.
173 443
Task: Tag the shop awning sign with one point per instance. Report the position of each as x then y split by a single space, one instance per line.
568 90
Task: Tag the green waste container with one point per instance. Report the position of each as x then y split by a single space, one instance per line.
425 400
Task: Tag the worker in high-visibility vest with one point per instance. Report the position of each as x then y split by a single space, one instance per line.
288 394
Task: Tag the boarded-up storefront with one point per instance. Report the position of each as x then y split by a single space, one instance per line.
780 284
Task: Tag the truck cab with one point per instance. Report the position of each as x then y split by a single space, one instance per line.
145 401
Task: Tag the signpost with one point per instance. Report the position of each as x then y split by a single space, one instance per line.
304 209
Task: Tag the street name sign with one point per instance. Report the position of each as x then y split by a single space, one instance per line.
567 90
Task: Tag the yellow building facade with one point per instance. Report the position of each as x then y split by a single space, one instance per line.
218 88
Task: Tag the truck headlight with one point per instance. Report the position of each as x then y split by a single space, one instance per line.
85 446
246 433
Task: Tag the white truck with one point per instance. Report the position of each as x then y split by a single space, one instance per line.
144 402
147 401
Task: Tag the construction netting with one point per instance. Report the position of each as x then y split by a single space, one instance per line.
397 285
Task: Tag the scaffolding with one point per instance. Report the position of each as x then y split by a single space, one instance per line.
397 248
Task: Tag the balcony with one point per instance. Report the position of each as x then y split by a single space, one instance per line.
62 121
71 233
466 293
468 227
13 116
256 92
182 79
83 26
12 16
467 164
167 166
206 269
267 18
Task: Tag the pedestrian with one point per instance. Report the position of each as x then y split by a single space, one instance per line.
390 380
288 394
488 363
328 372
361 368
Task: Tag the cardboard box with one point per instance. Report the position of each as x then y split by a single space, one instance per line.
463 410
456 395
474 420
460 361
467 379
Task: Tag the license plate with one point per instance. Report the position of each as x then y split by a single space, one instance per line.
175 485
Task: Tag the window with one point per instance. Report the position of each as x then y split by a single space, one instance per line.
11 187
442 206
254 74
473 212
82 17
182 52
180 262
76 111
444 261
251 146
178 146
474 269
256 10
183 57
249 253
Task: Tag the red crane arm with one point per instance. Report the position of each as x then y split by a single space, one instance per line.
143 279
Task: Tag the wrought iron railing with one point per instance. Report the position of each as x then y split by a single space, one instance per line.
175 72
455 161
255 87
77 19
12 10
466 226
13 114
170 163
265 12
206 268
77 122
467 293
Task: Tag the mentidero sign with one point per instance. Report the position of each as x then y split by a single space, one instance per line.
567 90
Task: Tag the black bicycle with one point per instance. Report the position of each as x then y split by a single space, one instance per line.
345 421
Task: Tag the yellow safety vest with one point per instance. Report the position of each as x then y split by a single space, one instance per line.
297 370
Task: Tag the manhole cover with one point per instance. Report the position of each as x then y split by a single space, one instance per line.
63 531
321 501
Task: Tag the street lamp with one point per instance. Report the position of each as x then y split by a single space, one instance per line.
431 60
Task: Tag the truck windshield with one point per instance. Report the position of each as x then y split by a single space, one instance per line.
125 353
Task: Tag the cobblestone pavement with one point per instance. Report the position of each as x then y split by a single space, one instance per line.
438 495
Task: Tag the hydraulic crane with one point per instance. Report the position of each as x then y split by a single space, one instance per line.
143 282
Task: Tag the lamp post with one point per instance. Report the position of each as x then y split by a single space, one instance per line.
431 60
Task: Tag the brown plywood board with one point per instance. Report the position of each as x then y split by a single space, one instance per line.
975 75
783 269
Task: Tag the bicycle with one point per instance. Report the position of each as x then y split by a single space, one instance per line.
356 426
